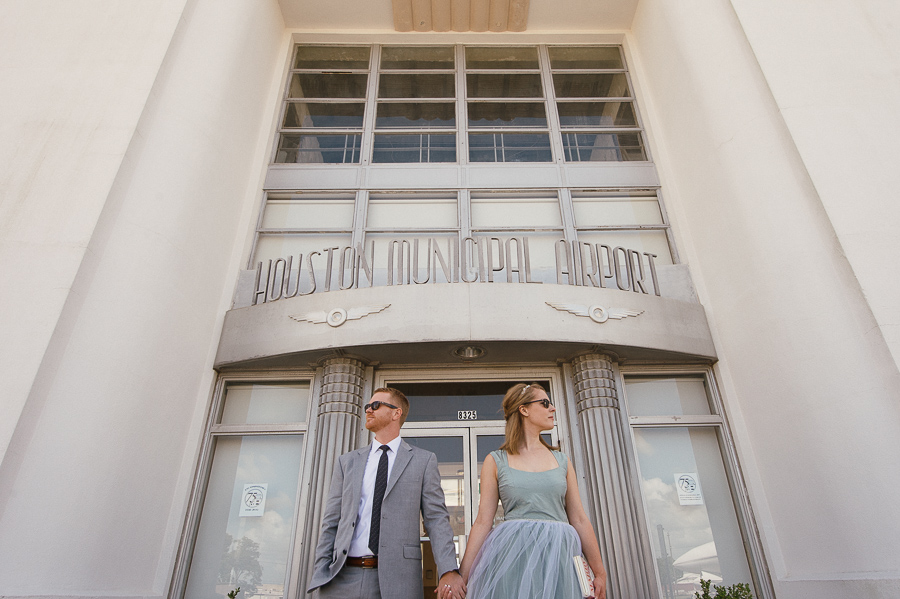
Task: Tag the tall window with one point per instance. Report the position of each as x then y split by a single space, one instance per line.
466 104
691 493
243 535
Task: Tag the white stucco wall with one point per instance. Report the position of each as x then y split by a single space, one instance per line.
810 385
98 470
74 79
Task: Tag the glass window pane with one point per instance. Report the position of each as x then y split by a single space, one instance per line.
425 147
590 85
440 402
451 465
273 247
596 114
693 523
597 210
585 57
603 147
420 114
309 212
503 85
510 147
422 265
507 114
426 85
405 212
314 149
491 211
306 114
332 57
641 241
327 85
417 57
667 396
501 57
250 551
265 403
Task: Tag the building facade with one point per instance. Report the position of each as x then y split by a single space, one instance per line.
225 223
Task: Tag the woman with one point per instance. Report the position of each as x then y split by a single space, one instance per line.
529 555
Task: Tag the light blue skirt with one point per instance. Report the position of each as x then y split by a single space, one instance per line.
527 559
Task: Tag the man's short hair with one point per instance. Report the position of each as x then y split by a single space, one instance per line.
399 399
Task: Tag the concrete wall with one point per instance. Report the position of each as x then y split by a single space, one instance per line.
809 381
140 161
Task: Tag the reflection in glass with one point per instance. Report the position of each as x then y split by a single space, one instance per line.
425 85
332 57
596 114
693 523
509 147
585 57
425 147
507 114
667 396
449 452
307 114
491 211
417 57
248 551
421 114
265 403
598 210
311 149
501 57
309 212
503 85
430 402
603 147
327 85
404 212
591 85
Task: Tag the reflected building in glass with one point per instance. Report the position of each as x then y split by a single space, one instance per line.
224 224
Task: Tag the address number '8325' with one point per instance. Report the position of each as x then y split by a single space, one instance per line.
467 415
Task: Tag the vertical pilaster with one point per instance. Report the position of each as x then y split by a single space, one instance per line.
338 420
612 499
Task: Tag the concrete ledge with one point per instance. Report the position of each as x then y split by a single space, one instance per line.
506 314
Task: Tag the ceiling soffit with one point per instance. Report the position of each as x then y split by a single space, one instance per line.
460 15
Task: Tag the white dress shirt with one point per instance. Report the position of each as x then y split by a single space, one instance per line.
359 546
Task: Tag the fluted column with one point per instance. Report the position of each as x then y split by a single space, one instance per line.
611 496
338 419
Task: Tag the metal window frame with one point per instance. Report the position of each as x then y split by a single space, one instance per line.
740 497
204 461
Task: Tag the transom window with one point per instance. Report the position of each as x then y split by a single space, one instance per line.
458 104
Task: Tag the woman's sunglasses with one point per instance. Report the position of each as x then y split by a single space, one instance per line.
377 404
544 402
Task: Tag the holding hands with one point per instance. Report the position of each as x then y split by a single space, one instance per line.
451 586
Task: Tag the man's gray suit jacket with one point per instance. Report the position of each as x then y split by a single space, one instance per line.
414 484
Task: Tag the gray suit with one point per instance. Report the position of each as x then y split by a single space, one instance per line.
414 483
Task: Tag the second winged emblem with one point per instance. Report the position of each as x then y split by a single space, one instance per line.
597 313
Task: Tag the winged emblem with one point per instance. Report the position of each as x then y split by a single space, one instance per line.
597 313
339 316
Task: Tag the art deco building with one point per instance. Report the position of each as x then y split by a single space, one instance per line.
223 223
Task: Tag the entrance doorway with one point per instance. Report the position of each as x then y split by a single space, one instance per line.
461 423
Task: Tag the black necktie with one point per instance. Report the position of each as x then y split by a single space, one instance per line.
380 486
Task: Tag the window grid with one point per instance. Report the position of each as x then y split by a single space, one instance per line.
599 121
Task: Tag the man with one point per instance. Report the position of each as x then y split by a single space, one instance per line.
369 543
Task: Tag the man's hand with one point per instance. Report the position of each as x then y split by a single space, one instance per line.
451 586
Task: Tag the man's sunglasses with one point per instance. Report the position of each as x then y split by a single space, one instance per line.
377 404
544 402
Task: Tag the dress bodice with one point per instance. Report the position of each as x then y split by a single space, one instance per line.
532 495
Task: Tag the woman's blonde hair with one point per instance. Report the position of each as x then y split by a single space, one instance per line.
517 396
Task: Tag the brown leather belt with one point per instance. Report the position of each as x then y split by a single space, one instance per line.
363 562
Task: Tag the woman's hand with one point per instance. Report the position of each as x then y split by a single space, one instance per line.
600 587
